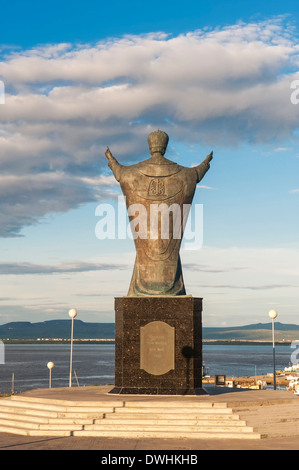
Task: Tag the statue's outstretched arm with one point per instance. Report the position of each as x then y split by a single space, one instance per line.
113 164
203 167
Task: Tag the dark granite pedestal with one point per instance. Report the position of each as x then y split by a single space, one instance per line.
158 345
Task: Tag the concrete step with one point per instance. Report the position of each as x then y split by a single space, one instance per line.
23 431
54 424
169 422
87 409
158 427
71 421
14 430
158 434
32 405
27 411
61 427
168 410
42 414
172 416
49 433
80 415
61 402
45 420
19 423
180 403
187 432
51 407
24 417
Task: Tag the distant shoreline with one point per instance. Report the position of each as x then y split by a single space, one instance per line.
58 331
57 341
112 341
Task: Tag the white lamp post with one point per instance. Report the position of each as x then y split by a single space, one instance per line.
72 314
273 314
50 366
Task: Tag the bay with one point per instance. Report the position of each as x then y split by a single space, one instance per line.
94 363
245 360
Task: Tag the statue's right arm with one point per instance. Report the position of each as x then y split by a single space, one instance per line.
113 164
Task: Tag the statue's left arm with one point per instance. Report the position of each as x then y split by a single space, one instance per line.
203 167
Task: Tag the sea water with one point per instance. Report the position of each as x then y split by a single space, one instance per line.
94 363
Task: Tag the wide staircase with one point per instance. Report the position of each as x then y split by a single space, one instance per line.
128 419
177 418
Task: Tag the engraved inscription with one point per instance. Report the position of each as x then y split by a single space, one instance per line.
157 346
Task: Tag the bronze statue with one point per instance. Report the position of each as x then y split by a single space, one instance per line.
152 184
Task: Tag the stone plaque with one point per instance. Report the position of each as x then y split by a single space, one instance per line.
157 346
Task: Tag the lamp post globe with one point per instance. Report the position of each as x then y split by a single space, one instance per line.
73 313
50 366
272 314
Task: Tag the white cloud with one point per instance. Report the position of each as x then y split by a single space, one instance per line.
241 284
238 285
202 186
22 268
65 103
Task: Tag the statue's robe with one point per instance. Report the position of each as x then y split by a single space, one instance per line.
157 269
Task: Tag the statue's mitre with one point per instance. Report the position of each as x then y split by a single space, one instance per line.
157 141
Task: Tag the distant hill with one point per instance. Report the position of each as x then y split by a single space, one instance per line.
56 329
85 330
254 332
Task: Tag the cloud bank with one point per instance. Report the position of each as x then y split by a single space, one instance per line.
65 103
22 268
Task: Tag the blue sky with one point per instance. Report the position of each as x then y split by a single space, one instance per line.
29 23
83 75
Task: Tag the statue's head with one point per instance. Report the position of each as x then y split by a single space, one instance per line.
157 142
